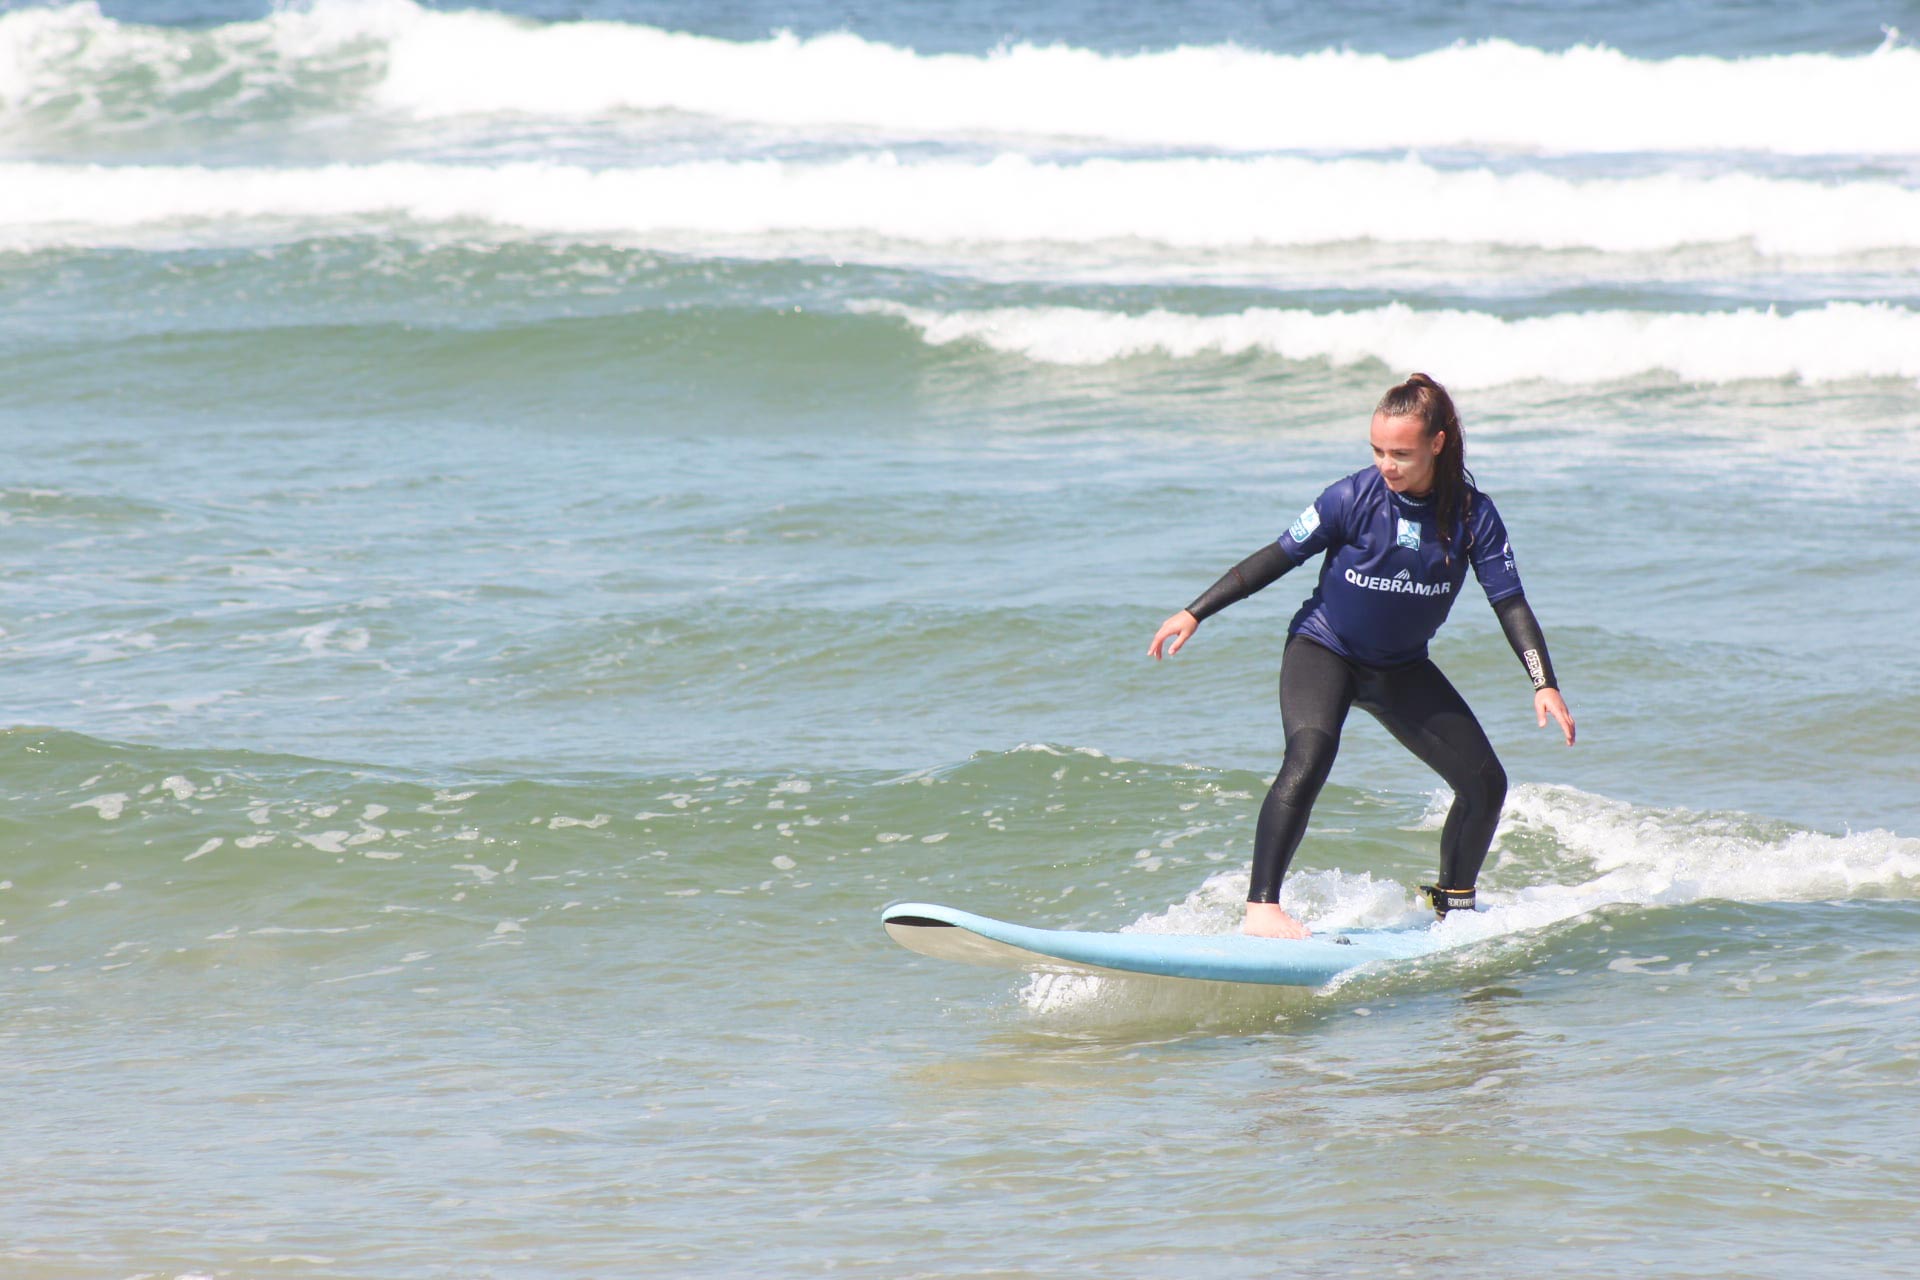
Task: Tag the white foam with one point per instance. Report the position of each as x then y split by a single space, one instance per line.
1330 900
1583 99
1833 343
1674 856
1494 93
1605 853
1178 204
68 58
109 807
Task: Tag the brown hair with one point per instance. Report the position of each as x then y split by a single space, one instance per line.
1423 398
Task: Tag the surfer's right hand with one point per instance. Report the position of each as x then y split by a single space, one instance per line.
1180 627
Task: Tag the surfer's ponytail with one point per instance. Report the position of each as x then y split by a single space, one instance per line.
1423 398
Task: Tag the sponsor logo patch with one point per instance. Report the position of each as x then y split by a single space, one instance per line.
1506 551
1409 534
1303 527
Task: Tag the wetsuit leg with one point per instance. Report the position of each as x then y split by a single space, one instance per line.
1317 686
1422 709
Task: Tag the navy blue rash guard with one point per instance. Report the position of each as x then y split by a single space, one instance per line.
1387 582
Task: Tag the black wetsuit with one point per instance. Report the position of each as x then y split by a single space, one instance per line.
1361 640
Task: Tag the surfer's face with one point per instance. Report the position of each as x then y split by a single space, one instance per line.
1403 452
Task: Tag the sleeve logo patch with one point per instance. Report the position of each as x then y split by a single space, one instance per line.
1409 534
1303 527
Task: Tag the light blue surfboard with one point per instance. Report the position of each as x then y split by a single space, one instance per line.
947 933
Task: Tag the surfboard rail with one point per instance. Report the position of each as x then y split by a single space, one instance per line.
948 933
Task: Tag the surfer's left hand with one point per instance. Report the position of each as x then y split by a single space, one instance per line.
1548 702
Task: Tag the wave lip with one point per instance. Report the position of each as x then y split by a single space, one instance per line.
397 56
1841 341
1182 204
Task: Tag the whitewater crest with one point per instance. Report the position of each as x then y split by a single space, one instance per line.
1604 853
1837 342
1178 205
397 56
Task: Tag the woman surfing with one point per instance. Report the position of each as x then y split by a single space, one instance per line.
1398 538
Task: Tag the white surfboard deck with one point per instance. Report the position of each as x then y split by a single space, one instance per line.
948 933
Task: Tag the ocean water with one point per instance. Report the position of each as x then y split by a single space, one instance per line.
523 528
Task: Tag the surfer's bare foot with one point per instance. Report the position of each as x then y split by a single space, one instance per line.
1267 920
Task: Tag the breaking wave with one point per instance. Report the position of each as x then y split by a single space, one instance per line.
1178 203
74 65
1833 343
1562 854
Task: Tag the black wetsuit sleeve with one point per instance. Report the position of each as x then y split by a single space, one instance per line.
1523 633
1261 569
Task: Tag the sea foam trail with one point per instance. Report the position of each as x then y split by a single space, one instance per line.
1834 343
1491 93
1192 203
